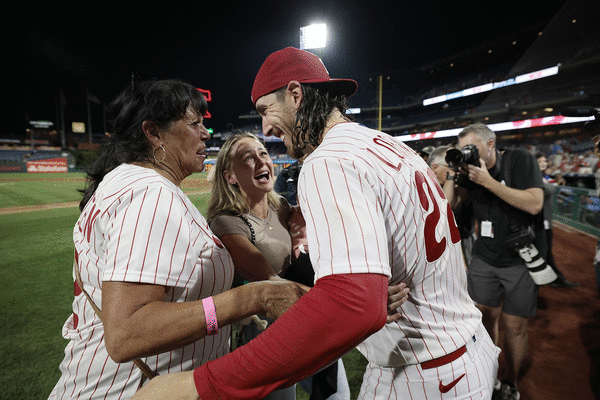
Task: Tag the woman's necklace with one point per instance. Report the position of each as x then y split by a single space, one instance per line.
266 219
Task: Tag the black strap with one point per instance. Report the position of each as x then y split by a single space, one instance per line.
506 169
252 233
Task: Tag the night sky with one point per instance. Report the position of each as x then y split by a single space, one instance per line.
221 45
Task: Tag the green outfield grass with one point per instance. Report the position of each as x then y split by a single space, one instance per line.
36 290
22 189
36 284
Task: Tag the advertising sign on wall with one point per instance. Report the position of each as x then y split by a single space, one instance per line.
49 165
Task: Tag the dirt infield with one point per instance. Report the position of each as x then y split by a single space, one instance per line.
19 209
38 207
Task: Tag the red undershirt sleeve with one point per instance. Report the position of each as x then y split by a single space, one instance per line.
337 314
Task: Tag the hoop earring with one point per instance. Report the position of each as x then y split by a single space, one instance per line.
154 154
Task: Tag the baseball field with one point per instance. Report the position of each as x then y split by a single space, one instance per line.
37 215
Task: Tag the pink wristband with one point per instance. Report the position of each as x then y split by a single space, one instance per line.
211 316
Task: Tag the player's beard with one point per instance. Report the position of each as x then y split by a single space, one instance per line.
299 149
295 151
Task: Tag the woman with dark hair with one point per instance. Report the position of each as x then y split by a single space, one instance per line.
152 280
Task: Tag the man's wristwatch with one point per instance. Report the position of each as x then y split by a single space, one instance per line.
450 177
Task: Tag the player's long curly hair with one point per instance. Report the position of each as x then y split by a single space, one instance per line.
161 102
312 115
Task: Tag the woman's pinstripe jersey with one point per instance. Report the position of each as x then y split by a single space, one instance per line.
139 227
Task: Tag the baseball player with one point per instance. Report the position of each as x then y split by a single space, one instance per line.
374 214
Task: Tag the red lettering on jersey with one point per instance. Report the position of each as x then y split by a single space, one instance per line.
430 203
454 233
434 248
391 146
436 184
90 221
77 290
75 321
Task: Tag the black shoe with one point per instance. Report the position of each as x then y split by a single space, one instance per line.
497 394
563 284
509 392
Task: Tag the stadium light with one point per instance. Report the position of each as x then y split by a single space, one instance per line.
313 36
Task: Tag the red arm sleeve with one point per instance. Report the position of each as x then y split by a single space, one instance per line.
337 314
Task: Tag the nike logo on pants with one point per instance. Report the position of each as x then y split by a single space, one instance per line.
446 388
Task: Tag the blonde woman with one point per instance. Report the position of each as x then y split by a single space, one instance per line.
250 219
253 222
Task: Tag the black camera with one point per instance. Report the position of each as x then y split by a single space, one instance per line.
521 240
519 237
467 155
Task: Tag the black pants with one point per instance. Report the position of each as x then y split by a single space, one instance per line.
550 257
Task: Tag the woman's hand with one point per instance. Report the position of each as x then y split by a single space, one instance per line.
298 232
397 295
279 295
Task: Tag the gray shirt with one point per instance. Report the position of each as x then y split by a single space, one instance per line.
272 236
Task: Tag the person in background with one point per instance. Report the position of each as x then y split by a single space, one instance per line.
506 190
445 175
286 183
463 212
426 152
371 205
147 258
549 191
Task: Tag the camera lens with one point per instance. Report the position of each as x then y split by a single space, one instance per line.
454 158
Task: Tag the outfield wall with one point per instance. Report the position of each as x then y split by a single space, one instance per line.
32 161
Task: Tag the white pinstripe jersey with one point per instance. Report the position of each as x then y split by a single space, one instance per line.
139 227
372 205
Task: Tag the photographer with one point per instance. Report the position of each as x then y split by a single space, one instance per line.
506 190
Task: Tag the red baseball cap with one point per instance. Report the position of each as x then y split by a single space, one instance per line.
291 64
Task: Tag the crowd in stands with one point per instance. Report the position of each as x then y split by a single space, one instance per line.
570 157
575 171
574 158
